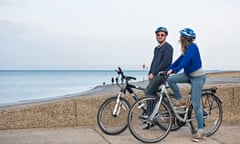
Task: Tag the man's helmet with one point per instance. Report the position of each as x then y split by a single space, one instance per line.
162 29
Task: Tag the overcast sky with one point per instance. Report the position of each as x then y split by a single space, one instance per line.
104 34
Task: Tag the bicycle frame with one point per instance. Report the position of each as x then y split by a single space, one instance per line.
168 118
164 93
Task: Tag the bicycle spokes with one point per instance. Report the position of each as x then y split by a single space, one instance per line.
212 114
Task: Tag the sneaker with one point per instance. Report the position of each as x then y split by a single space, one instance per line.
180 104
148 126
198 136
143 117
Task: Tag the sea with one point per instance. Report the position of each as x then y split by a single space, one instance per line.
17 86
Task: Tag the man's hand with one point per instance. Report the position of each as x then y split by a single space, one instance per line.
150 76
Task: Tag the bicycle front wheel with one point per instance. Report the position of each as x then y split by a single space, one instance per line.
156 133
110 123
212 113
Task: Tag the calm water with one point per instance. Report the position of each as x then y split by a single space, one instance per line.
17 86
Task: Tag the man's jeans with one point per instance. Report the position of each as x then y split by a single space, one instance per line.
151 90
196 91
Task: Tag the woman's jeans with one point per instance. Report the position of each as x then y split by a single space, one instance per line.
196 92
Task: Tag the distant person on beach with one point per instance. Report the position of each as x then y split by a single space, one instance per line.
162 58
116 80
190 61
112 80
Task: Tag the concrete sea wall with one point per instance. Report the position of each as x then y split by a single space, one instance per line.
82 111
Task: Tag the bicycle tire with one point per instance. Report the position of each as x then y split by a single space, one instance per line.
212 113
113 124
136 124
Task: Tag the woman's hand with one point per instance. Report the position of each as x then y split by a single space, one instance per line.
169 72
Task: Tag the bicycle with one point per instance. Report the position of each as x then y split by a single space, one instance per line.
113 113
165 117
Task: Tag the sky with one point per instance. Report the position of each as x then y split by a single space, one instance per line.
105 34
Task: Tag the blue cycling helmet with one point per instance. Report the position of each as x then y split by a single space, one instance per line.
162 29
187 32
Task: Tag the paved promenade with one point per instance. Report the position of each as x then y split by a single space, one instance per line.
227 134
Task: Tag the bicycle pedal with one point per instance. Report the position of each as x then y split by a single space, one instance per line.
148 126
205 114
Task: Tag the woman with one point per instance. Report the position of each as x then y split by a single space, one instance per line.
190 61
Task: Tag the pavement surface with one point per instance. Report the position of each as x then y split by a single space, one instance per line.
227 134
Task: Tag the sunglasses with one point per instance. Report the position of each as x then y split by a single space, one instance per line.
162 35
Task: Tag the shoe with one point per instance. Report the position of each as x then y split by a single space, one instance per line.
180 104
198 137
148 126
143 117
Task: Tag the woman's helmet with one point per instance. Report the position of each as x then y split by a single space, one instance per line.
162 29
188 33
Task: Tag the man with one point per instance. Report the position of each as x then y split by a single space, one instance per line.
162 58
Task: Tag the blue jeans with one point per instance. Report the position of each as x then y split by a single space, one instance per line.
151 90
196 92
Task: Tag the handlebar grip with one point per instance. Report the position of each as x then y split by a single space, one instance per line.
130 77
163 73
133 78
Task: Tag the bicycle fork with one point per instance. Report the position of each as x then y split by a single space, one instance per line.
118 105
156 107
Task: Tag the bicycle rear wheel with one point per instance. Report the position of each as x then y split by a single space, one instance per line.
212 113
155 133
108 122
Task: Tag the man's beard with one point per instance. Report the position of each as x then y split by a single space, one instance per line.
160 42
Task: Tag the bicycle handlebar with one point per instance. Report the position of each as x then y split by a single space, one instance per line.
127 78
